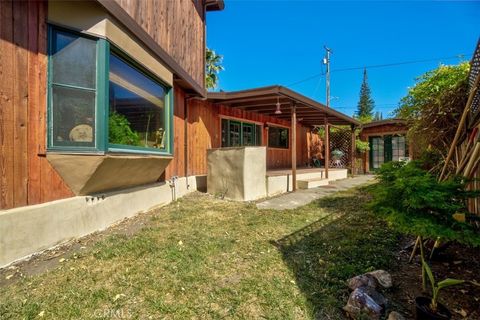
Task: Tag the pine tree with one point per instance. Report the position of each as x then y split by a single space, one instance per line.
365 104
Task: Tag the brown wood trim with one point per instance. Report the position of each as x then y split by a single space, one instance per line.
381 134
239 120
136 30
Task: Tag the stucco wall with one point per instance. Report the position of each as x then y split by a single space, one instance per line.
237 173
27 230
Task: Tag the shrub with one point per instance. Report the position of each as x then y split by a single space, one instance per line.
413 201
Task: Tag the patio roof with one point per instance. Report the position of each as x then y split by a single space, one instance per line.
263 100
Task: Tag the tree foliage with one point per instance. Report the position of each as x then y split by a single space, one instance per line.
433 108
213 66
412 200
366 104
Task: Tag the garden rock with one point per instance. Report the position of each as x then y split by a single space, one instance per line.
364 280
394 315
383 278
361 302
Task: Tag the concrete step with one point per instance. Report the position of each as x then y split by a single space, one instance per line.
311 183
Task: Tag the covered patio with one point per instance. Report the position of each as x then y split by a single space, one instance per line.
287 105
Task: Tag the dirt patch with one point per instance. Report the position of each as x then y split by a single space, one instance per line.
455 261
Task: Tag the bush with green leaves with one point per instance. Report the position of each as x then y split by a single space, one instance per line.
119 131
414 202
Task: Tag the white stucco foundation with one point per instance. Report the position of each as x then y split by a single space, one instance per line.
27 230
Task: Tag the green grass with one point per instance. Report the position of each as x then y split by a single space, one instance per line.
202 258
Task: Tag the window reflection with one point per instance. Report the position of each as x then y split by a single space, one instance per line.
137 107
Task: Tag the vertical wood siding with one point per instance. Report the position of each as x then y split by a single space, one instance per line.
26 176
177 26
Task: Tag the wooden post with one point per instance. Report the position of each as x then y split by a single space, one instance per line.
327 147
352 155
294 146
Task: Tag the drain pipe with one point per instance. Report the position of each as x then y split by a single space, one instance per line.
173 187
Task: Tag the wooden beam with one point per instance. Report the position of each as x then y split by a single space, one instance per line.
352 155
327 147
294 146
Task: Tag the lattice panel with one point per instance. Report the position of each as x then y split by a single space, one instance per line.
340 148
474 71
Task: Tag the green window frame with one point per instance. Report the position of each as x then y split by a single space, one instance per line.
101 143
240 133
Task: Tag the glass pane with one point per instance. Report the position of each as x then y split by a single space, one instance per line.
137 107
278 137
258 135
73 60
224 133
234 134
73 117
248 135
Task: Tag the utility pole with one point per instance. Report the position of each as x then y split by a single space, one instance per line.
326 61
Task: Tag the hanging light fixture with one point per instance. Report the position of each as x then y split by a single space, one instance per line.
278 111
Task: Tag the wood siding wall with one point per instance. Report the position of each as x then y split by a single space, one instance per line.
204 132
381 130
26 177
178 26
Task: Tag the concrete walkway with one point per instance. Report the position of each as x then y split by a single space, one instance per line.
302 197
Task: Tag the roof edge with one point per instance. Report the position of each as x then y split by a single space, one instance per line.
136 30
214 5
284 91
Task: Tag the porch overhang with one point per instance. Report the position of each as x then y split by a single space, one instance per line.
264 100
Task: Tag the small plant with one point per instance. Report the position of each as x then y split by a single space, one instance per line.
437 286
362 146
430 307
337 154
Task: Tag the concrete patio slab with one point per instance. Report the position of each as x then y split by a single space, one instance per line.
302 197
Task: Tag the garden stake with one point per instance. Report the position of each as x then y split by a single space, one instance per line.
414 250
435 245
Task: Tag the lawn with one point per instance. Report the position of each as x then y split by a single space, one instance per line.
205 258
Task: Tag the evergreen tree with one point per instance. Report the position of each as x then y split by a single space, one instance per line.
365 104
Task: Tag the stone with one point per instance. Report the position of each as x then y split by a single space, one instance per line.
394 315
361 303
383 278
377 297
364 280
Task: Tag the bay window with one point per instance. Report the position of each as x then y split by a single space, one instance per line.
101 100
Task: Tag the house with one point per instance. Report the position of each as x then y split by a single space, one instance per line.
387 141
104 114
92 99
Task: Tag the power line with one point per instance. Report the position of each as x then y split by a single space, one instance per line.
458 56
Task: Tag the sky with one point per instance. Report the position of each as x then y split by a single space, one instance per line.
268 42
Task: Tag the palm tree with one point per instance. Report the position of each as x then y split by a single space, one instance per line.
213 65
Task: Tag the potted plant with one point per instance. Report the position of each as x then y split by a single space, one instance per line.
430 308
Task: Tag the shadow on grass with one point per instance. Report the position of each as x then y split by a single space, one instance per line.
324 254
